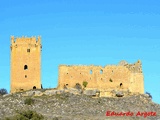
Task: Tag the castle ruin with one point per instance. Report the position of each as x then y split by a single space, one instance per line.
25 63
121 77
26 71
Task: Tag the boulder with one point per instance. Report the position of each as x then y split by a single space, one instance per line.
75 91
52 92
91 92
119 94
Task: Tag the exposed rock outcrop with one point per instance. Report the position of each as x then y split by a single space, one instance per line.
68 106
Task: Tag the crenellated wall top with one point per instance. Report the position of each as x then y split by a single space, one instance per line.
24 39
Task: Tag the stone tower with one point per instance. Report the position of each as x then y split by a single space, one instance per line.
25 63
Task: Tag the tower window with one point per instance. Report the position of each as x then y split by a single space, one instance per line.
28 50
25 76
90 71
25 67
110 80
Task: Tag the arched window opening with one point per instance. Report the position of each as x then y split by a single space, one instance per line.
90 71
121 84
25 67
101 71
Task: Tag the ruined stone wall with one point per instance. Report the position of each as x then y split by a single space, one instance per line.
136 77
25 63
112 77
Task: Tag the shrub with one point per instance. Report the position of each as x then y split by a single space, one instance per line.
28 101
62 96
3 91
78 86
55 118
26 115
85 83
149 94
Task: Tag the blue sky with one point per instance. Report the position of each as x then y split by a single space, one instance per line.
98 32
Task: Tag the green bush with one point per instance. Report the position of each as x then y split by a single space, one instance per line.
28 101
26 115
85 83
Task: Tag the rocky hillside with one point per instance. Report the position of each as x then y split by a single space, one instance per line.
68 106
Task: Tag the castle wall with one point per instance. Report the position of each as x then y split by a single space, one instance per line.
108 78
137 83
25 64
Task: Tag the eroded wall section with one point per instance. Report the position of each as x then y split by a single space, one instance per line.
112 77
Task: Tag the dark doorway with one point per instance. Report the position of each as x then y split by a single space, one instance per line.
34 87
121 84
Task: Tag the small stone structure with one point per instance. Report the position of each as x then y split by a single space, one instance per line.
121 77
25 63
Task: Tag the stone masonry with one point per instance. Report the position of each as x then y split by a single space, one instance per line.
26 72
121 77
25 63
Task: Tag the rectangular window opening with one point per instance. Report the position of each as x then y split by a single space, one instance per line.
28 50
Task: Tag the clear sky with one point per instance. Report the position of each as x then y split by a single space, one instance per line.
98 32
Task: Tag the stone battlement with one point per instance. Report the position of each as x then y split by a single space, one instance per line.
25 40
135 68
